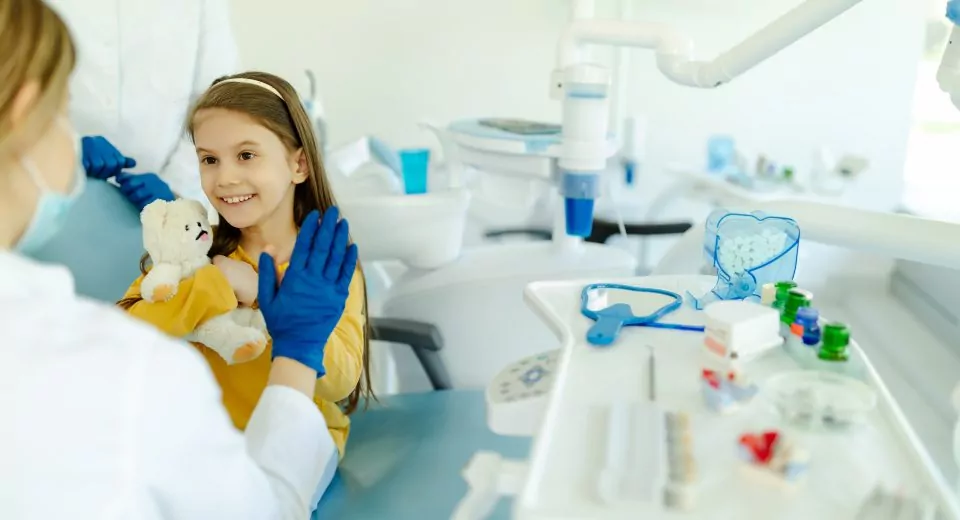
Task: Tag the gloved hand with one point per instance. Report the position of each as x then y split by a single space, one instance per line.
304 308
953 11
101 159
143 188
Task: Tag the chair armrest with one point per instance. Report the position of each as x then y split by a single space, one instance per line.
536 233
423 338
604 229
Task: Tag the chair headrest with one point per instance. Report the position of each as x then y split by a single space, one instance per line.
101 243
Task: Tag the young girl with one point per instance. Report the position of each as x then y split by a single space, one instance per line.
260 167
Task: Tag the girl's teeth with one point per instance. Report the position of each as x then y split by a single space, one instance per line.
237 200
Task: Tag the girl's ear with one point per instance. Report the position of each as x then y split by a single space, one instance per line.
23 101
303 168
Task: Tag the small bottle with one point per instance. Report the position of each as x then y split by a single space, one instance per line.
781 295
794 341
808 320
796 298
768 294
836 338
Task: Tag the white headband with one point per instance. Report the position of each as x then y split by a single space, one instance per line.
249 81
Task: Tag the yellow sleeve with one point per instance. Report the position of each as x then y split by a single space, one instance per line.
343 356
204 295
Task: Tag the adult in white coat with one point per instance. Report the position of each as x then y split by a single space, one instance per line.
102 416
141 63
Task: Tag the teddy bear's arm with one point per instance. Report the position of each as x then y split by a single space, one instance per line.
205 295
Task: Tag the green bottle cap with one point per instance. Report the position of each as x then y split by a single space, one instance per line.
782 289
796 298
836 335
835 338
785 286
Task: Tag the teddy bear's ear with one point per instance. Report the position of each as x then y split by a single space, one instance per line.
199 208
154 214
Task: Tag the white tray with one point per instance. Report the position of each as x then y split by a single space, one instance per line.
567 453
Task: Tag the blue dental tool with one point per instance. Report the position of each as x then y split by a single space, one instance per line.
610 320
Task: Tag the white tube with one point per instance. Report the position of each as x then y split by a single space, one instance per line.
621 74
674 50
628 34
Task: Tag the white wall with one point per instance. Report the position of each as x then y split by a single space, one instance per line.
386 64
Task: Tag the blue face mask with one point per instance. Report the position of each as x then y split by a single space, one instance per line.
52 207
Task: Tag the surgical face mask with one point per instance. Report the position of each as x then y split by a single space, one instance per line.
52 207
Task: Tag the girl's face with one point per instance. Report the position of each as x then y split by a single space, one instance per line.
245 170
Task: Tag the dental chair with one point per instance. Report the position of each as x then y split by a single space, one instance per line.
405 452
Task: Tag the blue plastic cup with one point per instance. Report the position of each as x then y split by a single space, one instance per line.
415 164
721 153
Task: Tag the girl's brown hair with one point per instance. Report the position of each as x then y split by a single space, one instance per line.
36 47
288 120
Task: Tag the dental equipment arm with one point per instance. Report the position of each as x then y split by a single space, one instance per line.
584 88
674 49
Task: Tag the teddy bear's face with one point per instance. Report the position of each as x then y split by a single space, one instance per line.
176 231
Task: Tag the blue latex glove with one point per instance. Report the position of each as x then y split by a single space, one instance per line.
101 159
304 308
143 188
953 11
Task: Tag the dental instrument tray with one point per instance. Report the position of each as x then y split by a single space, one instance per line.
600 396
748 250
522 126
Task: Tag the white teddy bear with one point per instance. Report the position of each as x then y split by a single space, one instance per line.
177 236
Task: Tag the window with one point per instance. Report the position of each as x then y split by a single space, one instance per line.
932 169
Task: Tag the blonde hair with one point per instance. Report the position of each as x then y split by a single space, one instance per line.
36 46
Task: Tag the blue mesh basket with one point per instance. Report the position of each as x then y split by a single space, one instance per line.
748 250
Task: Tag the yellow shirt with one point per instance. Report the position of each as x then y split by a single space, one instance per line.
208 294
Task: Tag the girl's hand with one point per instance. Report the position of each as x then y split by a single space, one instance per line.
241 277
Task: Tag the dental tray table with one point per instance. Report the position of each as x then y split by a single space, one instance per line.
570 468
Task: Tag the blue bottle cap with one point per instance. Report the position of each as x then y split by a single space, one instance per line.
807 315
579 214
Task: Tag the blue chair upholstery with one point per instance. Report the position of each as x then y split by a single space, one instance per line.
405 455
101 243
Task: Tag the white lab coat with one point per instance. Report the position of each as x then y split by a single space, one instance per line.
102 417
141 65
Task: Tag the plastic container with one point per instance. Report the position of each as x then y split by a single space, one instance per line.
748 251
820 400
721 154
804 356
415 165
